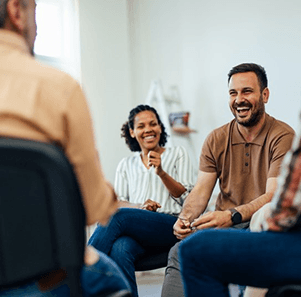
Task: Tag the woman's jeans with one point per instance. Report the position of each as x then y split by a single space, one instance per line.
211 259
130 234
102 277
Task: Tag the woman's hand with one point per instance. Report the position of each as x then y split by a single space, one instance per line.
151 205
154 159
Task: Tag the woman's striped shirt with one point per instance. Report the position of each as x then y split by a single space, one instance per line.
135 183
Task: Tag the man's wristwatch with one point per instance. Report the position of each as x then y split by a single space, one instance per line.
236 217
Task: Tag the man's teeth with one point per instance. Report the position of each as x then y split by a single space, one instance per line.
243 108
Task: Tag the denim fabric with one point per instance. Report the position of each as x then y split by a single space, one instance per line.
125 252
102 277
131 233
211 259
30 290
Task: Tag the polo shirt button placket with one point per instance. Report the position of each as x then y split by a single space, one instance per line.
247 157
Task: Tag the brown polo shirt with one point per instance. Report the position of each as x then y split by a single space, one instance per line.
243 167
44 104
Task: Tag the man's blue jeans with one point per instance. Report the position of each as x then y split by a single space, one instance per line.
211 259
132 233
102 277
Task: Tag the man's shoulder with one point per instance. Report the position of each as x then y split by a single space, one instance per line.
48 74
221 133
279 128
282 126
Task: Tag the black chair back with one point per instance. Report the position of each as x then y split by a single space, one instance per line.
42 218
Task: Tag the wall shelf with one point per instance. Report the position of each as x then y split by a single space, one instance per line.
183 130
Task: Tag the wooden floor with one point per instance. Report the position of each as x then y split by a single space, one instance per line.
150 284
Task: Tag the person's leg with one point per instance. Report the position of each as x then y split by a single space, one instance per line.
125 252
30 290
255 226
149 229
173 285
104 276
211 259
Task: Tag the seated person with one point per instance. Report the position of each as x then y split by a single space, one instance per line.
211 259
47 105
152 185
244 156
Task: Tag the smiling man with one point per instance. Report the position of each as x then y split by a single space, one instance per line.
244 156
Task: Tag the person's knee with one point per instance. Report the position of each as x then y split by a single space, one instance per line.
184 251
197 246
104 275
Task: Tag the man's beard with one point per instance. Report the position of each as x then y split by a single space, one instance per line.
255 116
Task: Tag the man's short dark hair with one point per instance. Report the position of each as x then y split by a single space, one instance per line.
251 67
3 4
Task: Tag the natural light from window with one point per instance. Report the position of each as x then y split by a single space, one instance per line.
49 37
57 43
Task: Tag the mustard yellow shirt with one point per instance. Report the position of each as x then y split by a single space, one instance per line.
40 103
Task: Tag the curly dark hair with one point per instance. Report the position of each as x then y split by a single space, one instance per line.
132 143
251 67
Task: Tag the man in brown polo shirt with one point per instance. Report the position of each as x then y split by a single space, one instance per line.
244 155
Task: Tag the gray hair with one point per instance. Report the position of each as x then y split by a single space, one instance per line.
3 4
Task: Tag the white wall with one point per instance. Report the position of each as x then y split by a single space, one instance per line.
194 43
106 75
191 44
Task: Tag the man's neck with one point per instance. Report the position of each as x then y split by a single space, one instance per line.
250 133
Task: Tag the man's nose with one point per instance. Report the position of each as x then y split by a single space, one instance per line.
239 98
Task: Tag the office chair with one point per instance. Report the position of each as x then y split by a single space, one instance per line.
42 218
285 291
150 261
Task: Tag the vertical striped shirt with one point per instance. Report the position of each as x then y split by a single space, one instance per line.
286 203
135 183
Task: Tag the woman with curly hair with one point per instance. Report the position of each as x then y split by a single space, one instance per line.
151 186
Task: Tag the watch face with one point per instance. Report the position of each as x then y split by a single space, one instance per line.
236 218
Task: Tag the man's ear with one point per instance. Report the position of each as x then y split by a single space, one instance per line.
15 16
265 95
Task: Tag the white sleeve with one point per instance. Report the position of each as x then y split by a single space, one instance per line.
121 181
185 171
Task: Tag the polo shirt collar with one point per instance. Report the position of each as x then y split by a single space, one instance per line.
237 138
13 40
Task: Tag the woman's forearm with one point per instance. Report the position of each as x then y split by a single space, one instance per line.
175 188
